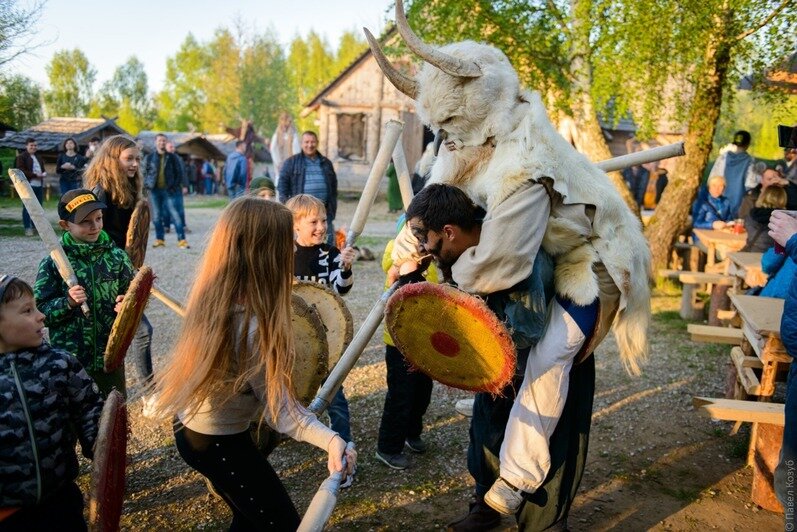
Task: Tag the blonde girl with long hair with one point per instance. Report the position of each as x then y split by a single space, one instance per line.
114 175
232 365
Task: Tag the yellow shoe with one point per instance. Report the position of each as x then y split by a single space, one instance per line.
159 244
183 244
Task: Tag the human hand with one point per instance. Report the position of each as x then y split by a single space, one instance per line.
337 449
185 190
782 226
76 296
347 257
68 166
392 275
118 306
718 225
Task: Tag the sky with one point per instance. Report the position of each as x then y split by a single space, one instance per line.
109 32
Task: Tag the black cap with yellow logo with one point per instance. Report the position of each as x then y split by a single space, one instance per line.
75 205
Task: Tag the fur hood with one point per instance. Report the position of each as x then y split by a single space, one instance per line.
590 225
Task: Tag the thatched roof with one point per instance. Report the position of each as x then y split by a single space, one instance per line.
225 142
51 133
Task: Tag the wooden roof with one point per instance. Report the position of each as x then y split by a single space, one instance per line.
51 133
185 143
316 101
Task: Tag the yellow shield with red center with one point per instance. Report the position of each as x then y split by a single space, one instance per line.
451 336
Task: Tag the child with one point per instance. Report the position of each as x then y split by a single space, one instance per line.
47 402
317 261
263 187
103 271
114 176
232 363
408 392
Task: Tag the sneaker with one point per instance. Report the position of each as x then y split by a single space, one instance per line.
393 461
183 244
504 497
480 518
148 409
464 407
28 232
159 244
416 445
349 480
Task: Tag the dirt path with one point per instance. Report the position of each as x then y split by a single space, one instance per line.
653 462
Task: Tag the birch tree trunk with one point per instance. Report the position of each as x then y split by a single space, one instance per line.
673 209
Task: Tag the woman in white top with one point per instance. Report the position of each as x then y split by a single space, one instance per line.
284 143
232 364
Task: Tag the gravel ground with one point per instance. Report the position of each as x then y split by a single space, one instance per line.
653 463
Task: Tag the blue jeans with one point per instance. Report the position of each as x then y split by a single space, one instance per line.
140 350
165 201
331 233
235 191
208 186
786 471
339 415
26 221
180 205
68 184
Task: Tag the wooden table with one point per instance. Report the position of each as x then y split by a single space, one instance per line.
762 350
717 244
747 266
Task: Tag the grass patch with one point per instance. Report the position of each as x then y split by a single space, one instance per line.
10 227
16 203
207 203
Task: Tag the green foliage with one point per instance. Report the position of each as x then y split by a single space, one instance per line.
20 102
126 96
760 116
350 46
180 102
71 78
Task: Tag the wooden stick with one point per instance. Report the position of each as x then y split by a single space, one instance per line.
389 140
403 175
46 232
642 157
168 300
323 503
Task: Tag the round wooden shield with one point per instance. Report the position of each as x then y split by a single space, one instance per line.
334 314
128 318
451 336
108 466
310 343
138 233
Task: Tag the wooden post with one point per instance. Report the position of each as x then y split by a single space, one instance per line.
766 451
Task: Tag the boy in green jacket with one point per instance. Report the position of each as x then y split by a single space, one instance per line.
104 273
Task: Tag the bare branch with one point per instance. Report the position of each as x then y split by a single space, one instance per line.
764 22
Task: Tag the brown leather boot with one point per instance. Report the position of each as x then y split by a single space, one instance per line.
480 518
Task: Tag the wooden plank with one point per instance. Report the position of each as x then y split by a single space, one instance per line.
735 410
706 278
762 313
746 374
717 335
755 340
670 274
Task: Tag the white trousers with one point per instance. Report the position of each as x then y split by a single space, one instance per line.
525 457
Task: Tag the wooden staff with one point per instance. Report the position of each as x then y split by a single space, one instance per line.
403 175
324 501
642 157
389 140
46 232
168 300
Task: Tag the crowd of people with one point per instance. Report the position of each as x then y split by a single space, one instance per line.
231 364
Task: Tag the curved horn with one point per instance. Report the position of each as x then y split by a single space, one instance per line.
405 84
445 62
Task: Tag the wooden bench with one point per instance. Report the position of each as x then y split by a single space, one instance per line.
714 334
691 306
744 411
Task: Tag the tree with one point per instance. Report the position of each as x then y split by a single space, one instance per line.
264 91
180 102
71 82
126 95
20 102
350 46
17 35
222 83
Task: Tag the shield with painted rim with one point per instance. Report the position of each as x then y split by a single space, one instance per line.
108 466
138 233
335 316
128 319
451 336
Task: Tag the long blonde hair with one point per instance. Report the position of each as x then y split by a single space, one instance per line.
104 170
247 267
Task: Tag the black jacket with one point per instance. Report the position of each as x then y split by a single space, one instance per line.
291 181
173 171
